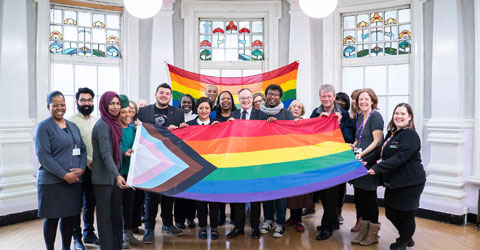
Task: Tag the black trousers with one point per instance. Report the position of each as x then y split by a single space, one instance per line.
342 191
366 204
50 232
151 209
203 212
238 212
404 222
296 215
138 208
88 198
128 197
329 198
184 209
109 216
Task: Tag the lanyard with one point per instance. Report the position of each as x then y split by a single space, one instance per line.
385 144
71 134
362 127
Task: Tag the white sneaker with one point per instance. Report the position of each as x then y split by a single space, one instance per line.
266 226
278 231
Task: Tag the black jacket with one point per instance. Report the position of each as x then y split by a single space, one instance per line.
346 125
401 165
255 115
195 122
147 114
284 114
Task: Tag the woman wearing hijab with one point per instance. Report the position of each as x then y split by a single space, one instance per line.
63 158
106 179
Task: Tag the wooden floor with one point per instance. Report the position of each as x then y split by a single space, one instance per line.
429 235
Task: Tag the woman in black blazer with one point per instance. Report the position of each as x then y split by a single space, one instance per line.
398 161
203 118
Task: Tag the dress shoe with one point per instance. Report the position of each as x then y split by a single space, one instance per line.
214 234
202 233
255 233
90 238
180 225
234 233
324 234
191 223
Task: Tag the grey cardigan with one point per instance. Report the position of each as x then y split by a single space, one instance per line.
104 169
55 151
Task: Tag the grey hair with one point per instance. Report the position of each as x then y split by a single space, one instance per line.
327 88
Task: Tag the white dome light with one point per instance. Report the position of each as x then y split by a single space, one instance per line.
318 8
143 8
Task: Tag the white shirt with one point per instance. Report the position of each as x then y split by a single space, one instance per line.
189 116
247 115
203 123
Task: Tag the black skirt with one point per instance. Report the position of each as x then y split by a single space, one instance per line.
404 199
59 200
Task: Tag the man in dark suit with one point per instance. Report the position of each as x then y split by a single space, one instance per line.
160 114
246 112
329 196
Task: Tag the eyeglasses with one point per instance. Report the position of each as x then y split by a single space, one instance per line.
245 98
276 95
259 101
83 100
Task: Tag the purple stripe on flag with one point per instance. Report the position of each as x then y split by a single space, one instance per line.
275 194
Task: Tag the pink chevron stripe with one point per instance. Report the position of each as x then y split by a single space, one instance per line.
151 173
154 150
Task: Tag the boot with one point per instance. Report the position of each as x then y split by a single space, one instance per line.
372 235
362 234
357 225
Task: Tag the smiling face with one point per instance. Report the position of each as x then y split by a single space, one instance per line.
125 116
114 106
163 96
225 101
257 102
327 98
245 98
401 117
297 110
57 108
211 92
186 104
203 111
365 102
273 98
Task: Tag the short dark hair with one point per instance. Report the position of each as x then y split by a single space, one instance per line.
164 85
53 94
202 100
274 87
194 110
344 97
84 91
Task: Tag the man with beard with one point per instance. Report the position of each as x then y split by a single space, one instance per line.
85 122
160 114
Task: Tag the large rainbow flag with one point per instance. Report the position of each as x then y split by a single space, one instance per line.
186 82
243 161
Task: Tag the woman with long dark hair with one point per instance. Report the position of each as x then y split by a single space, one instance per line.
399 162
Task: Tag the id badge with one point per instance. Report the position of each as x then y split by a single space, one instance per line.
76 151
379 160
357 151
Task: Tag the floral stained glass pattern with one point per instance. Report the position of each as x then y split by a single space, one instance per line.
231 40
377 33
84 33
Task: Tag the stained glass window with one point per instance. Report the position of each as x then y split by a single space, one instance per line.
84 33
377 33
231 40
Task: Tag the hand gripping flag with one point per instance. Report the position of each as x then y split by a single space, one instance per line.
185 82
243 161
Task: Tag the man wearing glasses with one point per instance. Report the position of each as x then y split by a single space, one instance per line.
85 122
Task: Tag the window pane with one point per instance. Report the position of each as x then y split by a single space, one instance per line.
56 16
398 79
349 22
86 76
205 27
218 55
231 73
231 55
108 79
113 21
99 36
62 78
70 17
210 72
85 34
218 41
69 48
231 41
84 19
257 26
70 103
251 72
70 33
376 79
404 16
382 108
98 20
352 79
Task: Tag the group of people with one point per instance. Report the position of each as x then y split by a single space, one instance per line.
85 162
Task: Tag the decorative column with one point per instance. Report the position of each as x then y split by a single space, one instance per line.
17 185
162 46
300 49
448 160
